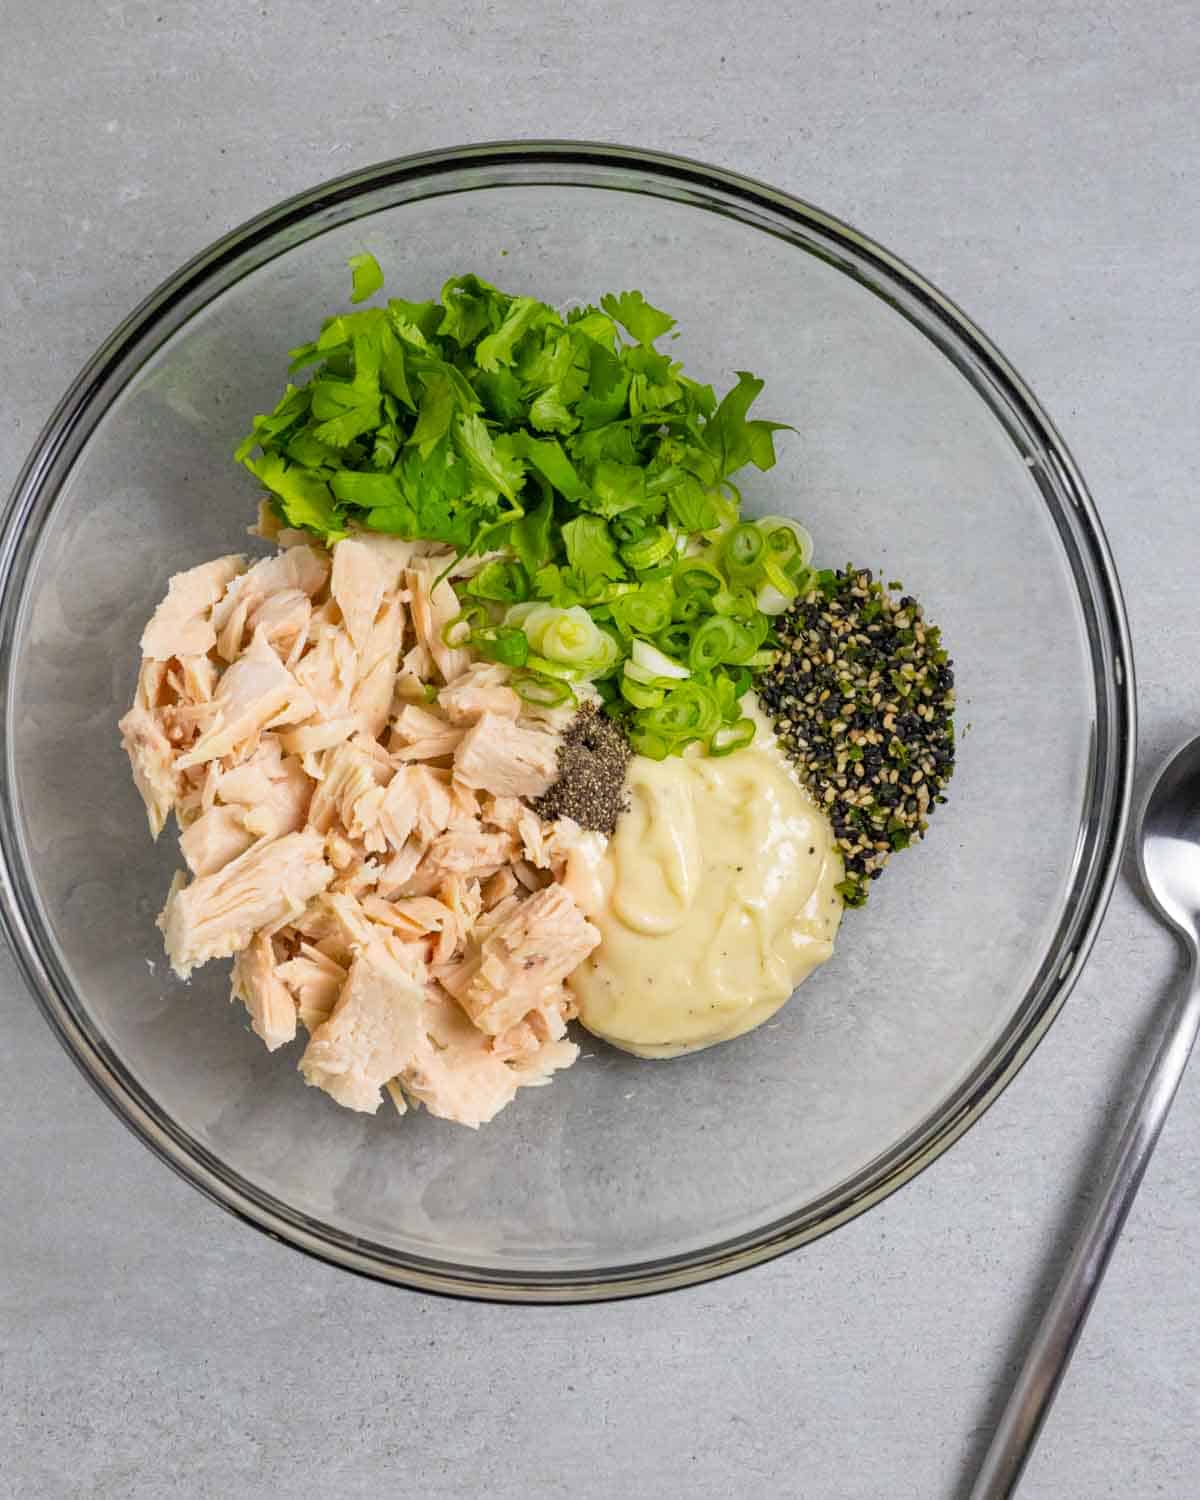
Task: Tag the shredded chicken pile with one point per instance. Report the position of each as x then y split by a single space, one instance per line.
349 792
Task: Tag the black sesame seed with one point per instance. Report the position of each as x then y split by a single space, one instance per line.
862 684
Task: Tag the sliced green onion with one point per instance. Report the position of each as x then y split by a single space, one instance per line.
648 550
544 667
569 639
503 643
745 609
782 542
649 744
695 575
545 692
651 659
640 694
638 674
754 632
503 580
645 676
777 576
690 712
610 593
712 643
730 737
771 601
804 541
520 613
645 612
675 639
473 616
689 607
742 549
730 689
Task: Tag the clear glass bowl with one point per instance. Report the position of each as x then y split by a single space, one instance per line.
918 451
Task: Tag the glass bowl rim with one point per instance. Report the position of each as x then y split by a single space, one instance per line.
569 163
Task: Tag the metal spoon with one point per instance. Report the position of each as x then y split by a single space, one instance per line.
1168 850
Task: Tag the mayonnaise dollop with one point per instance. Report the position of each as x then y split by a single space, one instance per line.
715 898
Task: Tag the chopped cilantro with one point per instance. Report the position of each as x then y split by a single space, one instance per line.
572 447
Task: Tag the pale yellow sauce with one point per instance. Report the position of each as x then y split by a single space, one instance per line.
715 898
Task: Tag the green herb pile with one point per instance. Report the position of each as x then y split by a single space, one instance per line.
593 474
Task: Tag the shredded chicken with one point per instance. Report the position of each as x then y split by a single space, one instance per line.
460 1076
182 624
374 1029
266 887
496 755
256 693
217 836
434 605
257 984
545 938
481 690
315 981
154 762
420 735
349 790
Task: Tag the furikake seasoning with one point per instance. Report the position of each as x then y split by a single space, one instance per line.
592 759
862 696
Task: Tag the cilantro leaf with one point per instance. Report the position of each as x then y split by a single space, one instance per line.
614 441
547 457
421 497
636 316
372 491
548 584
342 412
393 368
392 520
420 319
591 552
494 463
549 411
732 439
530 536
304 499
433 415
544 365
292 408
501 395
309 452
693 507
497 348
367 277
607 389
591 323
472 307
616 487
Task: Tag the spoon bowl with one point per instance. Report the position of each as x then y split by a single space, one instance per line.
1168 846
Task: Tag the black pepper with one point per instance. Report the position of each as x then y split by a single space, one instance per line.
878 759
593 757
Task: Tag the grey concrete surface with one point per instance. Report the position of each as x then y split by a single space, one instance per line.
1039 161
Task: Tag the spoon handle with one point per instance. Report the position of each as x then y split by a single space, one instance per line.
1063 1320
